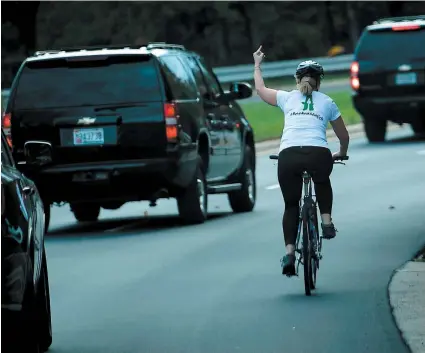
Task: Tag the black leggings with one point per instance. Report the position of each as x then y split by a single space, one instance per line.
293 161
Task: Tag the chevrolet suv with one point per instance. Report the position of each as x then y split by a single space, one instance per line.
388 75
97 127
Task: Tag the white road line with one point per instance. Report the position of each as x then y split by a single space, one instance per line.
271 187
422 152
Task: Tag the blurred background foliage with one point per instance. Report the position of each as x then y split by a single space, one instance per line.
226 33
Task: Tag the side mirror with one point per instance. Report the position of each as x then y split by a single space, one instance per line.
240 90
38 152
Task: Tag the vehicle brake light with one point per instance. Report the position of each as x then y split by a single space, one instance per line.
404 27
355 83
171 121
6 124
354 68
354 79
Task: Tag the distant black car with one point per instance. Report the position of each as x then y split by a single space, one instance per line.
25 299
99 127
388 75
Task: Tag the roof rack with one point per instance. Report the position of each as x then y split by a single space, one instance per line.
400 19
153 45
90 47
164 45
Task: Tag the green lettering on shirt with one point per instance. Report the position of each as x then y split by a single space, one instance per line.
308 103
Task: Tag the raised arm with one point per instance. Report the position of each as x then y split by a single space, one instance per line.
268 95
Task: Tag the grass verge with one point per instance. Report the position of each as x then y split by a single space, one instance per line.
267 121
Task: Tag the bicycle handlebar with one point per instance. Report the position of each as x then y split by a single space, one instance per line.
343 158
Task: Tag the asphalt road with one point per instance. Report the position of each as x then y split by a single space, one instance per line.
134 284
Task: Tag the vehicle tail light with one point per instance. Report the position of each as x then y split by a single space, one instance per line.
171 121
354 75
6 124
355 83
404 27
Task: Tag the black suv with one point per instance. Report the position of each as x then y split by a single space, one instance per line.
388 75
99 127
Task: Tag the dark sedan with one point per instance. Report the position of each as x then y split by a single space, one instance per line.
25 299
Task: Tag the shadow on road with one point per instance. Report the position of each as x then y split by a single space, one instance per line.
131 225
405 140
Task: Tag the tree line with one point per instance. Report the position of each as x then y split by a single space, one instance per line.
226 33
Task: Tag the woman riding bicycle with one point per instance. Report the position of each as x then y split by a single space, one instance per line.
304 147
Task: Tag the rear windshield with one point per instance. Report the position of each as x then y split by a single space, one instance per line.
387 45
87 81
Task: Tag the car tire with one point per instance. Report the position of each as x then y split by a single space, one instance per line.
193 202
44 318
85 212
375 129
244 199
418 126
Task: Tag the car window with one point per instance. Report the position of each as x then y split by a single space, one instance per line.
87 81
212 82
179 79
197 73
381 45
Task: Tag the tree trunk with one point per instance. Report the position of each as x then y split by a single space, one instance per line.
331 24
243 12
354 25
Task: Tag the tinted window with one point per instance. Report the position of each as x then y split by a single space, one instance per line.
178 78
197 73
212 82
92 81
392 45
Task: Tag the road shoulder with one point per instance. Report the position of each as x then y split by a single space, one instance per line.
407 299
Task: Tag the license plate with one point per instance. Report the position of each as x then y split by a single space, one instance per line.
407 78
89 137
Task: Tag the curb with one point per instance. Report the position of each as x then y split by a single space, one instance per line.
405 296
355 130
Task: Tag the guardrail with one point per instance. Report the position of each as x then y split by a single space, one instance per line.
270 70
281 68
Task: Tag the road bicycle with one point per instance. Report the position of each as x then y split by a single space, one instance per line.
309 253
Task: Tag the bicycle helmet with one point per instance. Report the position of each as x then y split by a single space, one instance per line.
309 67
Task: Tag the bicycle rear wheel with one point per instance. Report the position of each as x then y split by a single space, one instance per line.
315 246
307 258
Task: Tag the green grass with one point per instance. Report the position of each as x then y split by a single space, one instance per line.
267 121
